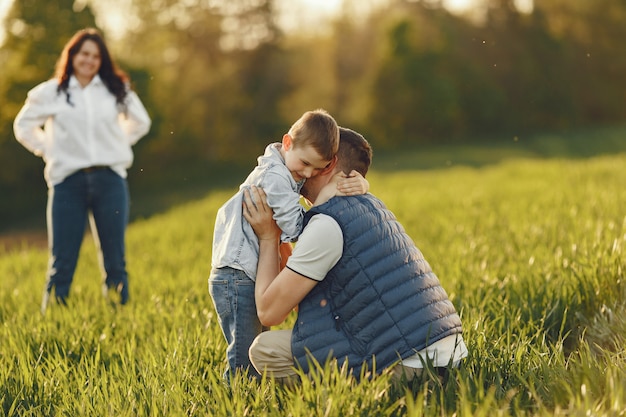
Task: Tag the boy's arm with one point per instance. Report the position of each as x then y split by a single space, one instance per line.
285 203
353 184
342 185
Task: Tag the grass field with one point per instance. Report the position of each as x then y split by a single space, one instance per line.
531 249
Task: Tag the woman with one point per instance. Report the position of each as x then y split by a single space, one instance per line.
83 122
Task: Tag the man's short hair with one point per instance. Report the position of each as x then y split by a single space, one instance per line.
355 152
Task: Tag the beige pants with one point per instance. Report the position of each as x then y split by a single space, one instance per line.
270 353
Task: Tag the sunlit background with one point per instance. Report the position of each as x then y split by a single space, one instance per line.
223 78
295 14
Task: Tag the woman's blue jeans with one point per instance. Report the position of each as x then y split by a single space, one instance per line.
233 295
104 194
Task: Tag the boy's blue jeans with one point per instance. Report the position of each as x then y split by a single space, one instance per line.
104 193
233 296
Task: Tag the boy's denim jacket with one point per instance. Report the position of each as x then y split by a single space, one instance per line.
234 243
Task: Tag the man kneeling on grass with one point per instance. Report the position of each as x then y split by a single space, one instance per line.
364 292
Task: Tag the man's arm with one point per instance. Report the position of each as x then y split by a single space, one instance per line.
276 292
285 250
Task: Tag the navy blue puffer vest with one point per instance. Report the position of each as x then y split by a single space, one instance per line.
380 303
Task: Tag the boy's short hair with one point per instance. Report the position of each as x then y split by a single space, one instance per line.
355 152
318 129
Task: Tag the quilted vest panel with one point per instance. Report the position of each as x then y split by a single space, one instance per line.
380 303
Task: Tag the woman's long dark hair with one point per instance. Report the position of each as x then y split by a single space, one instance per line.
114 78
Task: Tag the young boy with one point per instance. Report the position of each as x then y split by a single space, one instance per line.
308 148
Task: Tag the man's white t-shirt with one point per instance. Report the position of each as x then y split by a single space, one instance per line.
313 260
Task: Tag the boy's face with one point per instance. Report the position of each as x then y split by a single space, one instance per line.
303 162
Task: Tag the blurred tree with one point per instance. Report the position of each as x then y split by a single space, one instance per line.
309 67
441 78
27 58
416 91
179 47
593 34
216 77
263 79
355 54
221 80
333 69
524 62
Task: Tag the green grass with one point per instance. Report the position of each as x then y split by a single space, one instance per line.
532 251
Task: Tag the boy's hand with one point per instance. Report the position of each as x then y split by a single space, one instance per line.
342 185
353 184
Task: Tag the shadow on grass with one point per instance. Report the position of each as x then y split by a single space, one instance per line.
579 144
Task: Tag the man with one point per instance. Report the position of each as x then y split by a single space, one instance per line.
365 294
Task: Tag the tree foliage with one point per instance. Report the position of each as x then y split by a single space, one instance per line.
443 79
221 80
217 77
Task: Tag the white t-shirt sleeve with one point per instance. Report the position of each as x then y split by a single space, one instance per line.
318 249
